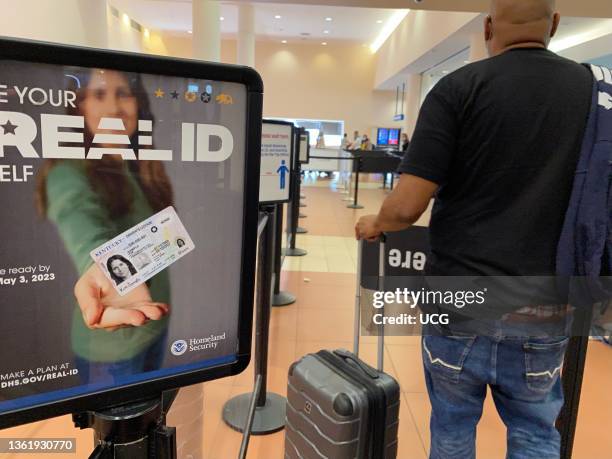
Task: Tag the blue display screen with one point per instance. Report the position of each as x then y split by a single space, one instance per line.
394 135
383 137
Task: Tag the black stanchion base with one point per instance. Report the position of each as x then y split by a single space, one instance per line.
303 205
283 299
302 216
289 252
300 230
355 206
268 419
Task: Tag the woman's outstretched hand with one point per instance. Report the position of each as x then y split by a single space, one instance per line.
103 307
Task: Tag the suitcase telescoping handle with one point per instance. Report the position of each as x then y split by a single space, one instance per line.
381 287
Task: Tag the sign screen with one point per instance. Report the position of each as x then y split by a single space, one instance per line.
276 161
124 223
383 137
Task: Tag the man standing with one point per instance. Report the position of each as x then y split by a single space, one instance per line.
497 143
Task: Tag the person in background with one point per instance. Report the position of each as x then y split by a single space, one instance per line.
320 140
365 143
497 144
405 142
356 144
345 142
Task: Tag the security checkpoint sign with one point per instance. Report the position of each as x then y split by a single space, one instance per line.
276 161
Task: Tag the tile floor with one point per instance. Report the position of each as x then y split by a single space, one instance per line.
322 317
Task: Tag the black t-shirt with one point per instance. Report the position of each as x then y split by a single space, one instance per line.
502 138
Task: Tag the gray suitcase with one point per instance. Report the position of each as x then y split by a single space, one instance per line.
338 407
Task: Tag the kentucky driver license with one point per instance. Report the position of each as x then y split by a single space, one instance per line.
144 250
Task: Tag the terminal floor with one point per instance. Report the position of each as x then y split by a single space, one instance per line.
322 317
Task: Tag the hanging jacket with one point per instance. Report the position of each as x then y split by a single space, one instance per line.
585 245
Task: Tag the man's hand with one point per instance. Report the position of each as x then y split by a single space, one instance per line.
367 228
103 307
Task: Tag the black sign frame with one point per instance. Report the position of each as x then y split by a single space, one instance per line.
292 155
50 53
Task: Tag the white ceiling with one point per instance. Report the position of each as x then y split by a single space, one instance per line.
348 24
451 53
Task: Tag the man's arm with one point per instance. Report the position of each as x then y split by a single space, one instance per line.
402 208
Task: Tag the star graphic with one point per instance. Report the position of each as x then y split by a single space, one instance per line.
159 93
9 128
205 97
174 94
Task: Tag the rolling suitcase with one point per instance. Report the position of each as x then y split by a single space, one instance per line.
340 407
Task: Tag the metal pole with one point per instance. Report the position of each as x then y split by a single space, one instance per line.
244 445
356 204
293 216
572 376
381 288
270 407
357 319
279 298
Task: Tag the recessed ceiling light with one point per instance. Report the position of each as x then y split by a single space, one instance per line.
328 19
444 72
278 16
190 31
379 21
147 34
221 18
126 19
326 31
284 41
466 62
324 43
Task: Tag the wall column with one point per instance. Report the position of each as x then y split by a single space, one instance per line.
413 103
245 54
206 30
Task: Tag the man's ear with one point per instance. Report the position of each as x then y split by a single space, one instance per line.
555 24
488 28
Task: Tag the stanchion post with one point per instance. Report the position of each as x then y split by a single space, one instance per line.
270 408
294 214
356 204
571 379
279 298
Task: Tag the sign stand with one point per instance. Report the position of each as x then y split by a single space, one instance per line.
134 431
279 298
267 413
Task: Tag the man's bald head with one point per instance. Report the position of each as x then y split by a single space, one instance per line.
520 23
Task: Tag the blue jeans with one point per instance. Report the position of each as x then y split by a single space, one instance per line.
523 374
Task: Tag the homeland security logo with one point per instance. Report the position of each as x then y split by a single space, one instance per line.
179 347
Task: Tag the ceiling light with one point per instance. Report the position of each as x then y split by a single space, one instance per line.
324 43
146 33
326 31
190 31
328 19
284 41
379 21
278 16
392 23
221 18
126 19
